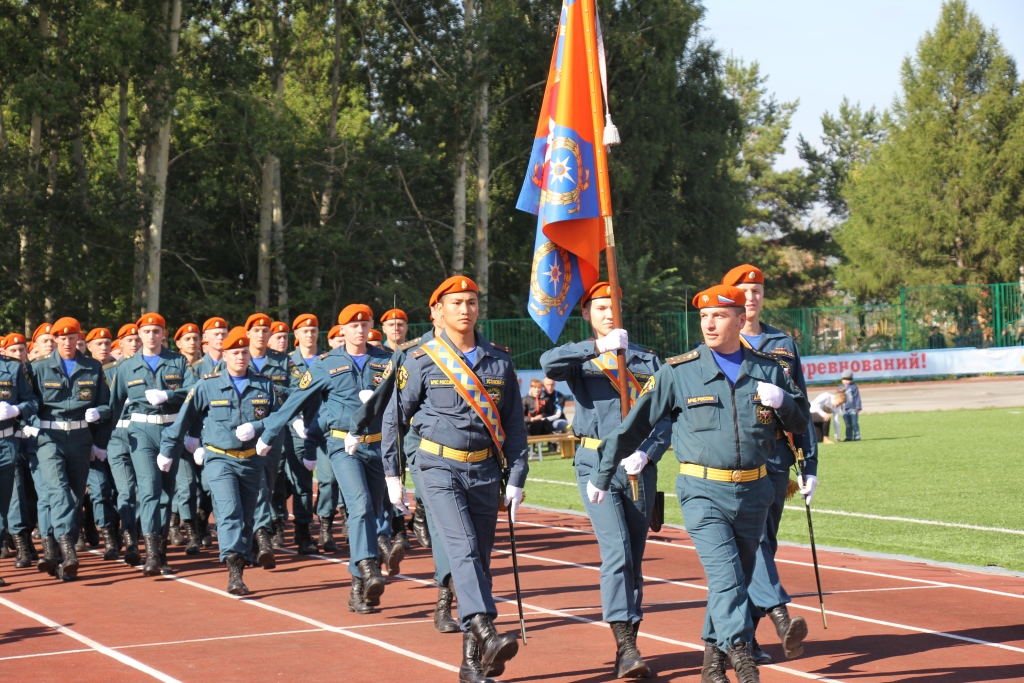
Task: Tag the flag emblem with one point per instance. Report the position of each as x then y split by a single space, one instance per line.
724 300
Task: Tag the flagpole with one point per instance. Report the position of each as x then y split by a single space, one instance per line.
613 280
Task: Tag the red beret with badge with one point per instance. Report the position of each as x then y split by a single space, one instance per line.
187 328
601 290
744 275
129 330
305 320
215 324
45 328
454 285
257 320
66 325
98 333
355 313
720 296
394 314
277 327
237 339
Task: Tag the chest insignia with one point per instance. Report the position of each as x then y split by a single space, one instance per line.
705 400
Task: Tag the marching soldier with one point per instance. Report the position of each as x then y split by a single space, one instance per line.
591 370
23 509
276 366
214 331
73 399
230 405
278 337
43 342
340 380
461 394
725 402
17 402
767 596
375 338
187 340
151 387
102 493
334 337
185 504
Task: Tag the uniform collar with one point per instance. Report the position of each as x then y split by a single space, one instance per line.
58 362
709 367
483 346
227 382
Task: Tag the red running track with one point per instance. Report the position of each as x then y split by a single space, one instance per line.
888 620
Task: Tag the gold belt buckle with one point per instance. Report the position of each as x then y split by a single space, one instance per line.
737 476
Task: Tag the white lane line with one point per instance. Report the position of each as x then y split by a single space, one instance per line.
911 520
848 570
89 642
46 654
843 513
793 605
867 590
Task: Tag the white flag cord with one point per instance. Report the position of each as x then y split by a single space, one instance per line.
611 133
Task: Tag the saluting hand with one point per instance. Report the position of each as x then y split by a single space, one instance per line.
770 394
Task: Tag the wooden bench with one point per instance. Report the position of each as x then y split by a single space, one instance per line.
566 445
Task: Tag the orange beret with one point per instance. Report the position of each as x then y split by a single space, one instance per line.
720 296
355 313
128 330
45 328
257 320
305 320
236 339
98 333
601 290
277 327
14 338
394 314
152 319
215 324
456 283
66 325
28 346
187 328
745 274
374 335
334 332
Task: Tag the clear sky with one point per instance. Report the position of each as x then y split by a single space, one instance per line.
819 51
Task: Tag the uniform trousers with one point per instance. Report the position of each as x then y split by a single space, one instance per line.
123 473
102 493
235 485
64 466
442 566
463 498
264 518
21 513
361 479
725 520
766 589
186 488
156 488
620 524
299 481
328 496
8 465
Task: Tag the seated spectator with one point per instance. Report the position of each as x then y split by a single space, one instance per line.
533 410
554 401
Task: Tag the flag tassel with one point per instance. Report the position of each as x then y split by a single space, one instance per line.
611 133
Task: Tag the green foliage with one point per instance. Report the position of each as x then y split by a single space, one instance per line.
939 201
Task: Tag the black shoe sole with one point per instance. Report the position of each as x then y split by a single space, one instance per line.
266 560
793 643
638 670
496 667
395 559
238 590
372 593
133 558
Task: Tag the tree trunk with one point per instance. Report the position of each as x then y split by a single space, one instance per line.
122 135
266 233
279 264
483 170
459 236
332 136
161 157
141 232
25 242
52 169
82 180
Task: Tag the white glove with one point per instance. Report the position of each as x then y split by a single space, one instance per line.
191 444
595 494
7 411
351 444
613 341
807 490
199 455
396 493
261 448
92 415
99 453
29 431
163 463
299 426
245 432
770 394
635 463
365 395
513 497
156 396
309 464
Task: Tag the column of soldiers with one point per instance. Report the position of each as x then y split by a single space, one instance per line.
235 424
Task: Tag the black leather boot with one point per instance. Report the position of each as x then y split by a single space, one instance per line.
265 550
174 533
192 532
327 535
373 582
495 650
391 554
109 543
236 563
472 670
714 665
357 599
758 655
628 662
92 534
22 557
68 569
419 524
152 566
304 540
277 537
51 556
205 539
743 663
131 549
443 621
401 538
165 569
791 631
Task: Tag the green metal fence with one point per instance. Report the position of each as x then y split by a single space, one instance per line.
926 317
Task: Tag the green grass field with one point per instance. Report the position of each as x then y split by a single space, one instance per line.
956 467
